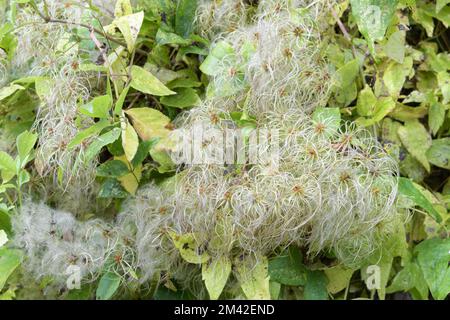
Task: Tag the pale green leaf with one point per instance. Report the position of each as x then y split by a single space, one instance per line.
7 166
347 74
25 143
98 107
395 47
373 17
433 258
144 81
130 26
9 261
417 141
436 117
215 274
444 84
8 91
439 153
338 278
395 76
366 102
123 8
253 277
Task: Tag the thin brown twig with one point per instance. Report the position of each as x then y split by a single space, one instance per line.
48 19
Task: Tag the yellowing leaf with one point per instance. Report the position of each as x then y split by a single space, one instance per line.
338 278
254 278
188 248
366 102
416 140
143 81
149 123
129 26
130 140
395 75
123 8
215 275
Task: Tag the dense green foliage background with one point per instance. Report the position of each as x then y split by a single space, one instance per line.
145 64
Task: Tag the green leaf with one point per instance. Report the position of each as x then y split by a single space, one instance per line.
433 258
347 74
406 188
417 141
316 286
6 92
185 98
87 133
121 100
129 26
143 150
439 153
338 278
99 107
408 278
9 261
44 87
184 17
366 102
436 117
108 285
107 138
373 17
327 120
444 84
113 169
383 107
395 47
7 166
213 65
145 82
164 37
288 268
149 123
215 274
25 143
112 188
440 4
395 76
